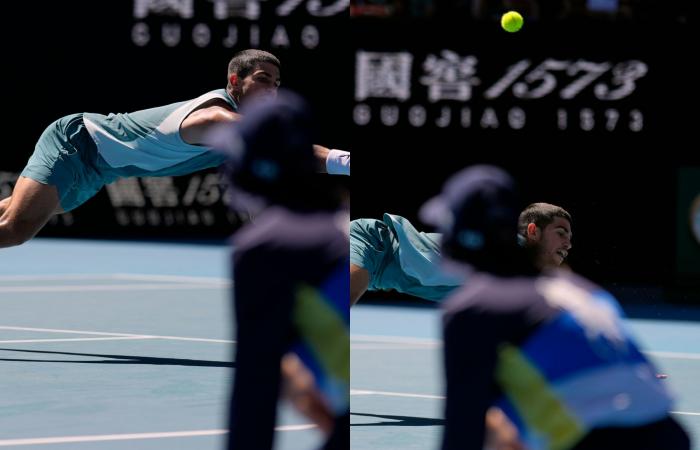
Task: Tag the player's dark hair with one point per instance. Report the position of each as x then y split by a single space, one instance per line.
245 61
541 214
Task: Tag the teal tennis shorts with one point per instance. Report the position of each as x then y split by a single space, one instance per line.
66 157
399 257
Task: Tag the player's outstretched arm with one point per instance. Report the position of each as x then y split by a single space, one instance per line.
332 161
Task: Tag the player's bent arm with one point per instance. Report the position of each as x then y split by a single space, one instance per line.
197 126
197 129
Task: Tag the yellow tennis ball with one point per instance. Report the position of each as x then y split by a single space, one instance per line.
512 21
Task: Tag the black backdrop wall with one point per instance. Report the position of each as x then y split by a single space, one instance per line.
118 56
595 115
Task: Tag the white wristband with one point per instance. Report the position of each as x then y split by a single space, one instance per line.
338 162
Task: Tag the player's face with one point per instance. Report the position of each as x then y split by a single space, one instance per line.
263 81
554 243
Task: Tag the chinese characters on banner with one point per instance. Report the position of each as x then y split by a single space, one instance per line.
444 89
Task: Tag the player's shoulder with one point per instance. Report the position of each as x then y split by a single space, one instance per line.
217 98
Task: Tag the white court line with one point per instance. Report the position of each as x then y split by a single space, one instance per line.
132 436
408 346
111 287
173 278
58 277
357 338
307 426
402 340
368 346
396 340
673 355
113 276
31 341
100 333
440 397
394 394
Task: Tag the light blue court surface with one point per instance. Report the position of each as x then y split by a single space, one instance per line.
396 378
119 345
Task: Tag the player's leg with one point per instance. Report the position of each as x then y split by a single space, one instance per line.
59 176
396 256
28 209
359 282
367 251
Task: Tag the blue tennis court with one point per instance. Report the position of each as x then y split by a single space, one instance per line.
397 393
120 345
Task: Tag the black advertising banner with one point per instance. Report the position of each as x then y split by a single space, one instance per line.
120 56
688 225
587 113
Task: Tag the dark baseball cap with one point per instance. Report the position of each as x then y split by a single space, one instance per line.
270 149
276 137
476 211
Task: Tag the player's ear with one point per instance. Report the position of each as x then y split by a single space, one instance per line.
533 232
233 79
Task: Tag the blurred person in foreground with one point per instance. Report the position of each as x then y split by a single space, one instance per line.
547 348
290 275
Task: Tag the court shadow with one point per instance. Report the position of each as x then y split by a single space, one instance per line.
117 359
398 421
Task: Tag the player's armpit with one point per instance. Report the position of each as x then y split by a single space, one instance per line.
197 127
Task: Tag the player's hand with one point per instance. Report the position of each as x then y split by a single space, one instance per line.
501 434
300 389
321 154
